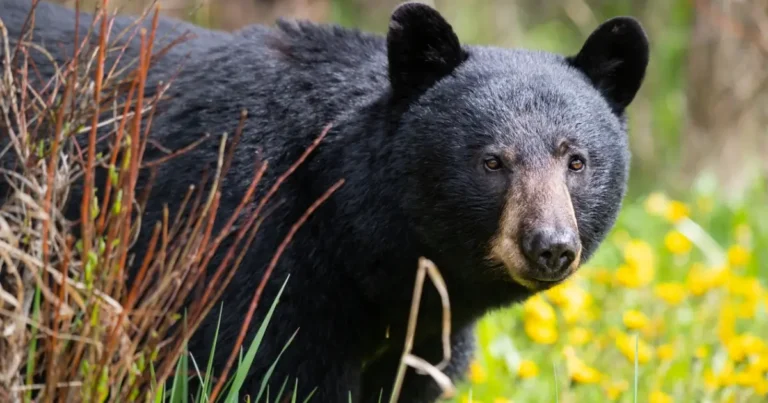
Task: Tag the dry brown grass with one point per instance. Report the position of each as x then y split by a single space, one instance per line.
67 318
71 328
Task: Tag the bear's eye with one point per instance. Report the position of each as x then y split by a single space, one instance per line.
576 164
492 164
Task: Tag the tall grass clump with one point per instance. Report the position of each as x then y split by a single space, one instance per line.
72 328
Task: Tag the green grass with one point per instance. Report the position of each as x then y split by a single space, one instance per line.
180 385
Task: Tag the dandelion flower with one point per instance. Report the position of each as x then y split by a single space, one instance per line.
738 256
747 287
665 352
658 396
541 333
640 267
726 375
477 373
751 344
579 336
656 204
579 371
635 320
761 389
527 369
726 324
676 211
759 363
677 243
614 390
569 294
711 381
626 345
701 280
671 293
701 352
639 253
465 399
538 309
602 276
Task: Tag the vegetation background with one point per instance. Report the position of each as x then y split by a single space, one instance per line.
673 307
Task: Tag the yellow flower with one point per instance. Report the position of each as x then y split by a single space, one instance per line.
746 310
569 294
656 204
711 381
639 253
635 320
579 371
726 324
676 211
738 255
538 309
658 396
751 344
655 328
541 333
501 400
665 352
671 293
640 267
726 376
700 279
602 276
747 378
575 314
761 389
477 373
527 369
613 390
677 243
586 374
579 336
701 352
759 363
747 287
735 349
633 277
626 345
465 399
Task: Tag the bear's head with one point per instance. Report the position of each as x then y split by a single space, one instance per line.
517 160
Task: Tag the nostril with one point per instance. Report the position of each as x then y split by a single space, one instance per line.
566 258
550 250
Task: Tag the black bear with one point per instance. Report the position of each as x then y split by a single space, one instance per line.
505 167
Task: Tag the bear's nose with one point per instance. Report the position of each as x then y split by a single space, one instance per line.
551 251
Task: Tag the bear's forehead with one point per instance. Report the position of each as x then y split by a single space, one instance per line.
535 87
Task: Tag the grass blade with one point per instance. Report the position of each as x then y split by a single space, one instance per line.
265 381
239 377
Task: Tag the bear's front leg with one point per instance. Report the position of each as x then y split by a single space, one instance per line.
379 376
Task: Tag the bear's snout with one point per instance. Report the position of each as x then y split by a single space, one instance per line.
550 252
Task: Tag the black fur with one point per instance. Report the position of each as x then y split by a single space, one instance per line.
413 116
614 57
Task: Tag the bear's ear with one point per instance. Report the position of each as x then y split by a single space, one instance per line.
615 57
422 48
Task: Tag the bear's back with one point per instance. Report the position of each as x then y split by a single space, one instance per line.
292 79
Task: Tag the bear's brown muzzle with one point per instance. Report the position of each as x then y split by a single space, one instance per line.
538 237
